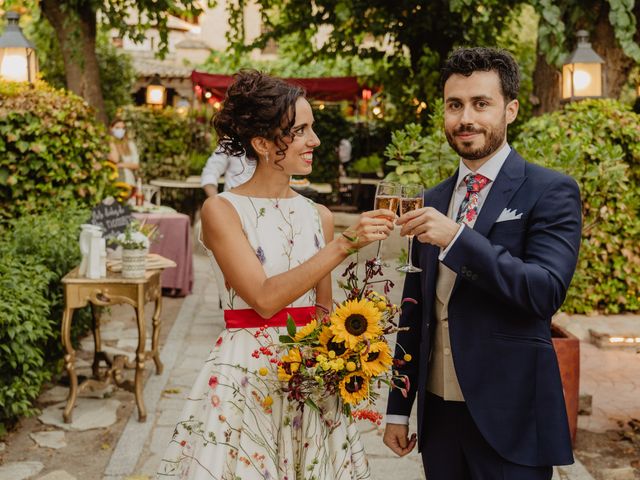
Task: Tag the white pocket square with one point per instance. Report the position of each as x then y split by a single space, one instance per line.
508 214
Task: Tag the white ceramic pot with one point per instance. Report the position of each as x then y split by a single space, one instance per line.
134 263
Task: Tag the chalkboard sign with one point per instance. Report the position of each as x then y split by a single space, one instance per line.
112 216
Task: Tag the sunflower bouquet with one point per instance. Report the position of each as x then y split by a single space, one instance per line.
345 352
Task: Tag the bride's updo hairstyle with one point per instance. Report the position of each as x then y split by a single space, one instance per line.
256 105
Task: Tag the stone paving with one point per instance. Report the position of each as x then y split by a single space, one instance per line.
610 376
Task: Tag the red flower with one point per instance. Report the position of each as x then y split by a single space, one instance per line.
219 342
213 381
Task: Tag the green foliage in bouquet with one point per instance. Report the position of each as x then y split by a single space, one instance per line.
35 252
52 151
597 142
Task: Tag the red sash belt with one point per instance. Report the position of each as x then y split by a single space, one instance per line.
249 318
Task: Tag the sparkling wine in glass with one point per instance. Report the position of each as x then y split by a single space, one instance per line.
387 197
411 199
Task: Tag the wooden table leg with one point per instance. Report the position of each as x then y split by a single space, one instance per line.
156 333
97 340
69 363
140 359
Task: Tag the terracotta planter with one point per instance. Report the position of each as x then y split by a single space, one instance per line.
567 347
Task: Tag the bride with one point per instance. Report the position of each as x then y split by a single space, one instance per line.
276 249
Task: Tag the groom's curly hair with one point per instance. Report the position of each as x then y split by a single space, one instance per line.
256 105
465 61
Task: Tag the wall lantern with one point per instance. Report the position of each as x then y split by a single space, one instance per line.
18 61
582 72
156 92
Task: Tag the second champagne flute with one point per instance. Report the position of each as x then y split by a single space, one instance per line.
411 199
387 197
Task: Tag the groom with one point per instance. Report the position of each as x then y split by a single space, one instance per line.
498 245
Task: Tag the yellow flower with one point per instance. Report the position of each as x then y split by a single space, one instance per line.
377 360
263 371
354 321
382 306
329 345
290 364
354 388
351 366
407 357
305 331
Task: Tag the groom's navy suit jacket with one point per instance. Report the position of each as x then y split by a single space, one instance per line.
512 276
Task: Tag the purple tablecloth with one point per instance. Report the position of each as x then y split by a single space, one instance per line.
174 242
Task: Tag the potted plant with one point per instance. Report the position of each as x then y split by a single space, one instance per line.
567 347
135 241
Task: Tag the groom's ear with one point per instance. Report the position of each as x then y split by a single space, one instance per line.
511 111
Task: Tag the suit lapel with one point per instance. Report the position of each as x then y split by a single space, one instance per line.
508 181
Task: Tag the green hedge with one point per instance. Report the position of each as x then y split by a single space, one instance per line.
597 142
35 252
52 151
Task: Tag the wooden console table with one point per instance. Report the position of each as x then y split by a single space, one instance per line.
80 291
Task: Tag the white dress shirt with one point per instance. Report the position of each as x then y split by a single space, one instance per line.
236 170
489 169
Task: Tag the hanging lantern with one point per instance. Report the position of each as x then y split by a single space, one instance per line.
18 61
156 93
582 72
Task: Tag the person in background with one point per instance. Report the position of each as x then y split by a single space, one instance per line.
124 153
236 171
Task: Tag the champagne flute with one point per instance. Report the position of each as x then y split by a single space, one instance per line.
411 199
387 197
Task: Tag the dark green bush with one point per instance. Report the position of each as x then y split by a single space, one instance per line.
35 253
331 126
52 151
597 142
25 329
169 143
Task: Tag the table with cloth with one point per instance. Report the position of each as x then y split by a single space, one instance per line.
173 242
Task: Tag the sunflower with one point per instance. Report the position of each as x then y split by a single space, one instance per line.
305 331
328 343
354 388
377 360
290 364
354 321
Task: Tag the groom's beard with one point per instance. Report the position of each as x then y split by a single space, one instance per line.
493 139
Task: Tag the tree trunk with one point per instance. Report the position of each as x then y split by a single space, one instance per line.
617 65
76 34
546 85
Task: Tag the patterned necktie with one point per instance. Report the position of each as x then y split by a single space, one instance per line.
469 207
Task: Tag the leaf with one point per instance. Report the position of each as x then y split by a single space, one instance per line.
285 339
311 404
291 326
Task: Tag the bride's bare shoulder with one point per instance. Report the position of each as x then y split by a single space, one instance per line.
219 209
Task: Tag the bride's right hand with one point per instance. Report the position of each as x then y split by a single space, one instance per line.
370 227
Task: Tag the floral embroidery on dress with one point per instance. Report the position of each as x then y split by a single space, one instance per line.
260 255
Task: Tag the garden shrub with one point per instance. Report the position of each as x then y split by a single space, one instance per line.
597 142
168 141
52 150
36 251
331 126
25 328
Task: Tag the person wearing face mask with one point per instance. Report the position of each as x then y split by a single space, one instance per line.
124 153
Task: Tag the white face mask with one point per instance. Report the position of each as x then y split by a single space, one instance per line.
118 133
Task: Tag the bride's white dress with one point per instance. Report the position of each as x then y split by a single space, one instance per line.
235 425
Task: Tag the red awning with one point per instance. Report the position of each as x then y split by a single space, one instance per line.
327 88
